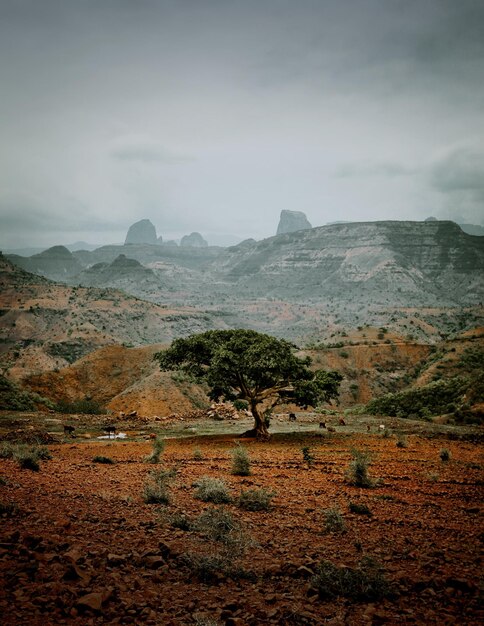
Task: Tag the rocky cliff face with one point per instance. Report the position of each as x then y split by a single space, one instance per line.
291 221
405 263
142 232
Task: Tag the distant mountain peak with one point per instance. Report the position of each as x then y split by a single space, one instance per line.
291 221
142 232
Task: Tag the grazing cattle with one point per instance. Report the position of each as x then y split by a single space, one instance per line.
68 430
382 426
331 429
109 430
342 422
322 424
292 417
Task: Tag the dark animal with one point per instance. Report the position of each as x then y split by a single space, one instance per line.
68 430
368 427
341 422
109 430
322 424
292 417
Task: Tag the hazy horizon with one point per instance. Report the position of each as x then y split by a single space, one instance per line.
213 116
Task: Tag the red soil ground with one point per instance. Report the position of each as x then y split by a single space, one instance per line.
83 547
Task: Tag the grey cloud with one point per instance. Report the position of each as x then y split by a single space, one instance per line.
146 152
460 170
385 170
459 177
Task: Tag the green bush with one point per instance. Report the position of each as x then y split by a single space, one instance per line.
157 489
158 449
358 470
255 499
307 456
197 454
103 459
212 490
333 521
436 398
217 524
240 461
359 509
364 583
445 455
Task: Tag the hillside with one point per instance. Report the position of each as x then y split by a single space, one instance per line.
419 278
120 379
46 325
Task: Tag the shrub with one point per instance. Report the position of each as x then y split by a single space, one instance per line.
307 456
158 448
360 509
255 499
157 489
217 524
212 490
240 461
103 459
435 398
197 454
333 521
27 460
180 521
445 455
6 450
358 470
365 582
241 405
402 441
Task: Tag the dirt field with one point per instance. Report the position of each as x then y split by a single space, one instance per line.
84 548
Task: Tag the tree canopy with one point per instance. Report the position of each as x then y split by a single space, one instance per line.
247 365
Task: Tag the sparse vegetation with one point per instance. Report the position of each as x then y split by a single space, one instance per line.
359 509
333 521
402 441
156 489
157 451
365 582
255 499
240 461
214 490
197 454
308 458
106 460
358 470
445 455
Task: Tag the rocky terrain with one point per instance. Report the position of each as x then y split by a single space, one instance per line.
80 544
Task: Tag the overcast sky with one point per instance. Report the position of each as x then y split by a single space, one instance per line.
213 115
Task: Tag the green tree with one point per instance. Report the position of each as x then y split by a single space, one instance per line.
247 365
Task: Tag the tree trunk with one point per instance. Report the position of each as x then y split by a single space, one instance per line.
260 429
